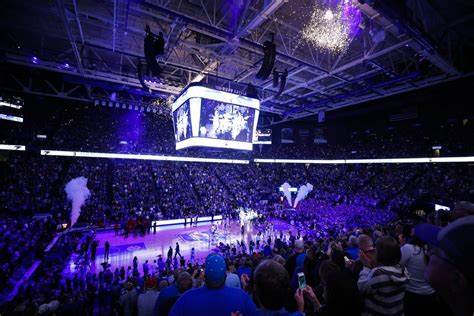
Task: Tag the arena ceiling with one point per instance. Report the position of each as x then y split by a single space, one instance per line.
94 46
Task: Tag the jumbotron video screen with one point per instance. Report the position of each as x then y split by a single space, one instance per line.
182 119
226 121
205 117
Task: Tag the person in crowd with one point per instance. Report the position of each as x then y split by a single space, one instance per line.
146 268
419 296
184 283
94 246
153 268
193 256
383 283
161 264
214 298
106 251
367 252
296 260
353 249
166 294
128 299
340 293
176 251
462 209
450 269
232 279
272 289
147 300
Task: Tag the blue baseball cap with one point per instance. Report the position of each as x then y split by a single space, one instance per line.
215 270
455 240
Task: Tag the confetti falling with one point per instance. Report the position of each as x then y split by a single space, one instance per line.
332 27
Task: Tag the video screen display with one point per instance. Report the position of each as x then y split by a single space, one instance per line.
205 117
182 119
263 136
226 121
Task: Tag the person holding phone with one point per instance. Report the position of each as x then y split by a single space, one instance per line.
272 289
301 280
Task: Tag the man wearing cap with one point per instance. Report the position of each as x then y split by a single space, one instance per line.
214 298
450 269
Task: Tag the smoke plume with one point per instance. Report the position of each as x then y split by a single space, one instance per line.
303 192
286 191
77 192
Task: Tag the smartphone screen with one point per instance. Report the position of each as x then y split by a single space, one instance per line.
301 280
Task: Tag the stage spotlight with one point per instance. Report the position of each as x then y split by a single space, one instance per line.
378 35
151 48
252 91
140 76
283 76
275 78
269 51
62 227
160 44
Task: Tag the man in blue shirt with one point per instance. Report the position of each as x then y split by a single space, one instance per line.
214 298
353 249
169 295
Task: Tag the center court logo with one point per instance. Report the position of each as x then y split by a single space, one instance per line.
195 236
134 248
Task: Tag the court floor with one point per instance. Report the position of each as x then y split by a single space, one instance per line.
149 246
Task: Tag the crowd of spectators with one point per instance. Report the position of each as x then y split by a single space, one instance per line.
396 268
124 190
350 213
22 241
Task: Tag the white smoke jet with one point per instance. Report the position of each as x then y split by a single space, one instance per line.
303 192
286 191
77 192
